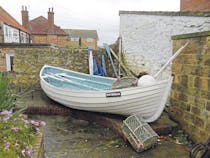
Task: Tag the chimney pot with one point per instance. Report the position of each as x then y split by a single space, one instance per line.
25 19
50 20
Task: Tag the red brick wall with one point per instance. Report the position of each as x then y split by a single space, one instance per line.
1 32
61 41
195 5
50 39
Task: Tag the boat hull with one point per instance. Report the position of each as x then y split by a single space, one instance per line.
148 101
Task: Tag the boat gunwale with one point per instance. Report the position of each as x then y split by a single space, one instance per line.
141 88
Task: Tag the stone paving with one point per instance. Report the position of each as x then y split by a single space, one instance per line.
67 137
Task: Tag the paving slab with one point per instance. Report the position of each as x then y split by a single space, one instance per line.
70 136
67 137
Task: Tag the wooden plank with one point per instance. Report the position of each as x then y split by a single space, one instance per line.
127 70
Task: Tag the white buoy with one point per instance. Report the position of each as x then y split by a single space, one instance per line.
146 80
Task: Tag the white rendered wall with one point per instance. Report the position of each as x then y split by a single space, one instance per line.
146 39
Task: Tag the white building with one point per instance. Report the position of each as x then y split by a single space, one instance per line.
10 30
146 36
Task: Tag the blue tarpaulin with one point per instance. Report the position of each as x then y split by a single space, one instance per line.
99 70
95 67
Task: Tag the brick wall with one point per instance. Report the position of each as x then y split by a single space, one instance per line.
2 64
28 61
3 52
50 39
61 41
195 5
72 44
190 96
84 44
39 39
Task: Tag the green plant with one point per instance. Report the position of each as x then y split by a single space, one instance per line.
9 100
181 138
6 98
17 135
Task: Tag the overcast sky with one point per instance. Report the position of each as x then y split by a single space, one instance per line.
100 15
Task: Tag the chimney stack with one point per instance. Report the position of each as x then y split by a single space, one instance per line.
50 21
25 19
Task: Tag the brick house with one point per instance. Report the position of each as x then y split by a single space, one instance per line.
10 30
82 38
195 5
44 30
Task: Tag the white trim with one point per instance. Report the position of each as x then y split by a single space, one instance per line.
8 61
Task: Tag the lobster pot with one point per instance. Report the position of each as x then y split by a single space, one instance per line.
140 135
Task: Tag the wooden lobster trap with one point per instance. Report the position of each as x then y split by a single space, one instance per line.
139 133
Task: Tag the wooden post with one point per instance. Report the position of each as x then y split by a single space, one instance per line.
119 55
127 70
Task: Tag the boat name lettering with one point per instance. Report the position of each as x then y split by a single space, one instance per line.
113 94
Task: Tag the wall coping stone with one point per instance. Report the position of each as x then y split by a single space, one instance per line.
26 45
187 13
191 35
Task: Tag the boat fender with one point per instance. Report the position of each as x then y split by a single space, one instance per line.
146 80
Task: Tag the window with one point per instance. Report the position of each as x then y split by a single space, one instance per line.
15 35
23 37
6 31
89 39
10 62
11 34
74 39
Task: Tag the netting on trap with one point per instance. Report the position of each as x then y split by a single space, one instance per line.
125 82
139 133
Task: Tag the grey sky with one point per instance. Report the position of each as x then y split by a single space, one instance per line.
100 15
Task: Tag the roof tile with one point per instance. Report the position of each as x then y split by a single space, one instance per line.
9 20
39 25
82 33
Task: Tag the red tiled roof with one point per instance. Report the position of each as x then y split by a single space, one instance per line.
39 25
9 20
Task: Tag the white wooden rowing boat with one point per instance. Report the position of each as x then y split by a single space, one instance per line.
94 93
